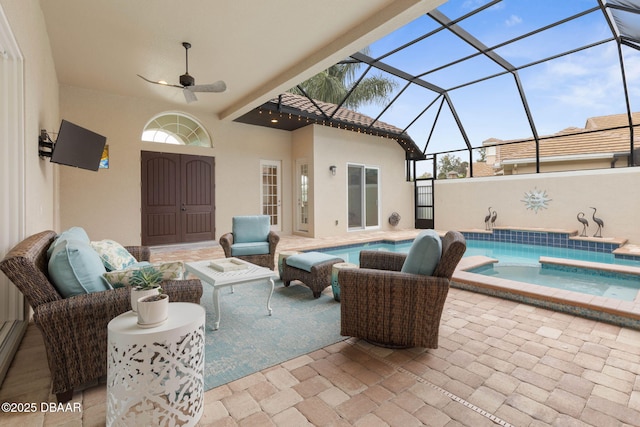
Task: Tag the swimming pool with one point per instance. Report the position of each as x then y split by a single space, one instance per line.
520 262
508 253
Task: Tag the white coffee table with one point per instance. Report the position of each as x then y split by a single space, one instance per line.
221 279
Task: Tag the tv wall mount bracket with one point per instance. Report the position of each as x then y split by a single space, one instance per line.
45 145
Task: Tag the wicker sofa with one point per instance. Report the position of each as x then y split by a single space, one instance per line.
74 329
387 307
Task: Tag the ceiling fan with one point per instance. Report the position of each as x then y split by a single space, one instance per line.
187 82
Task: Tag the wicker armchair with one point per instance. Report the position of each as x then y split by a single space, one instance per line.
393 309
269 238
75 329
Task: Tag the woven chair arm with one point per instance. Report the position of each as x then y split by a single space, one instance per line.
140 253
273 238
226 240
188 290
82 308
94 308
382 260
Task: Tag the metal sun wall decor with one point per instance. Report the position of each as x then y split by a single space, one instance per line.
536 199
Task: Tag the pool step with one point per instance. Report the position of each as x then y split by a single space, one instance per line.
613 268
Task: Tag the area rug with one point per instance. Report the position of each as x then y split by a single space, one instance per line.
249 340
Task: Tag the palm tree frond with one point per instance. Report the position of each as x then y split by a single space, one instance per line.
334 83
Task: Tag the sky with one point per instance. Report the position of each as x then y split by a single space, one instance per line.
561 93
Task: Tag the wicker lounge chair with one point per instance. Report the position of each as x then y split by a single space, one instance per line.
393 309
251 240
74 329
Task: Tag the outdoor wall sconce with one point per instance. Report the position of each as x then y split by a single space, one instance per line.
332 168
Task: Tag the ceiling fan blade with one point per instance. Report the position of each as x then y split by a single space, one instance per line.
189 96
218 86
157 83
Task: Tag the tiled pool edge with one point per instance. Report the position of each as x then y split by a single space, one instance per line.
552 238
620 313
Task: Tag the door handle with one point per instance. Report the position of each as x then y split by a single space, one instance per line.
183 208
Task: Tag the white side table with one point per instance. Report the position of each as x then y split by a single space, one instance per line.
155 376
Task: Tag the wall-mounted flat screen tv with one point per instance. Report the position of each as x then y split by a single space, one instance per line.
77 146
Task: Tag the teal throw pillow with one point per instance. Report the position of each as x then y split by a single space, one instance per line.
75 269
424 254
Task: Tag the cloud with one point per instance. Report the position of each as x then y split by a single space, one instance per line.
513 20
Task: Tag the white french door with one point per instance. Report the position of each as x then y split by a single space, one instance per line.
363 195
302 195
270 192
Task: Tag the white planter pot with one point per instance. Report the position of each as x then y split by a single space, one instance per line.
151 311
136 294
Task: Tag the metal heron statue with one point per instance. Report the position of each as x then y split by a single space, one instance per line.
493 218
584 223
598 221
486 220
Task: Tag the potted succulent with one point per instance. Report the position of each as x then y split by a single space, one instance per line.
144 282
153 310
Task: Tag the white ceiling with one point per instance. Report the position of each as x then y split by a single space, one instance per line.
259 48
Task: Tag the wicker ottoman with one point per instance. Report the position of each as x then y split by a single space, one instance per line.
311 268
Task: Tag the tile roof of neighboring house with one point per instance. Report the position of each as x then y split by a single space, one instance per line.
572 141
482 169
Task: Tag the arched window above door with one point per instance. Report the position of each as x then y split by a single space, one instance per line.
176 128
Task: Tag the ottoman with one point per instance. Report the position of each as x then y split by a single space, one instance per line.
311 268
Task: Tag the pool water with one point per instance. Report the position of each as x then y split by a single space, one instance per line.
620 287
520 263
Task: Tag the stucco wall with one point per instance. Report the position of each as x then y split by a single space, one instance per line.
338 147
463 203
107 203
40 111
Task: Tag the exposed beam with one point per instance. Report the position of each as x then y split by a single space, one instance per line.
396 14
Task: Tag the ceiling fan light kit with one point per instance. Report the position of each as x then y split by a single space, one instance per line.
187 82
